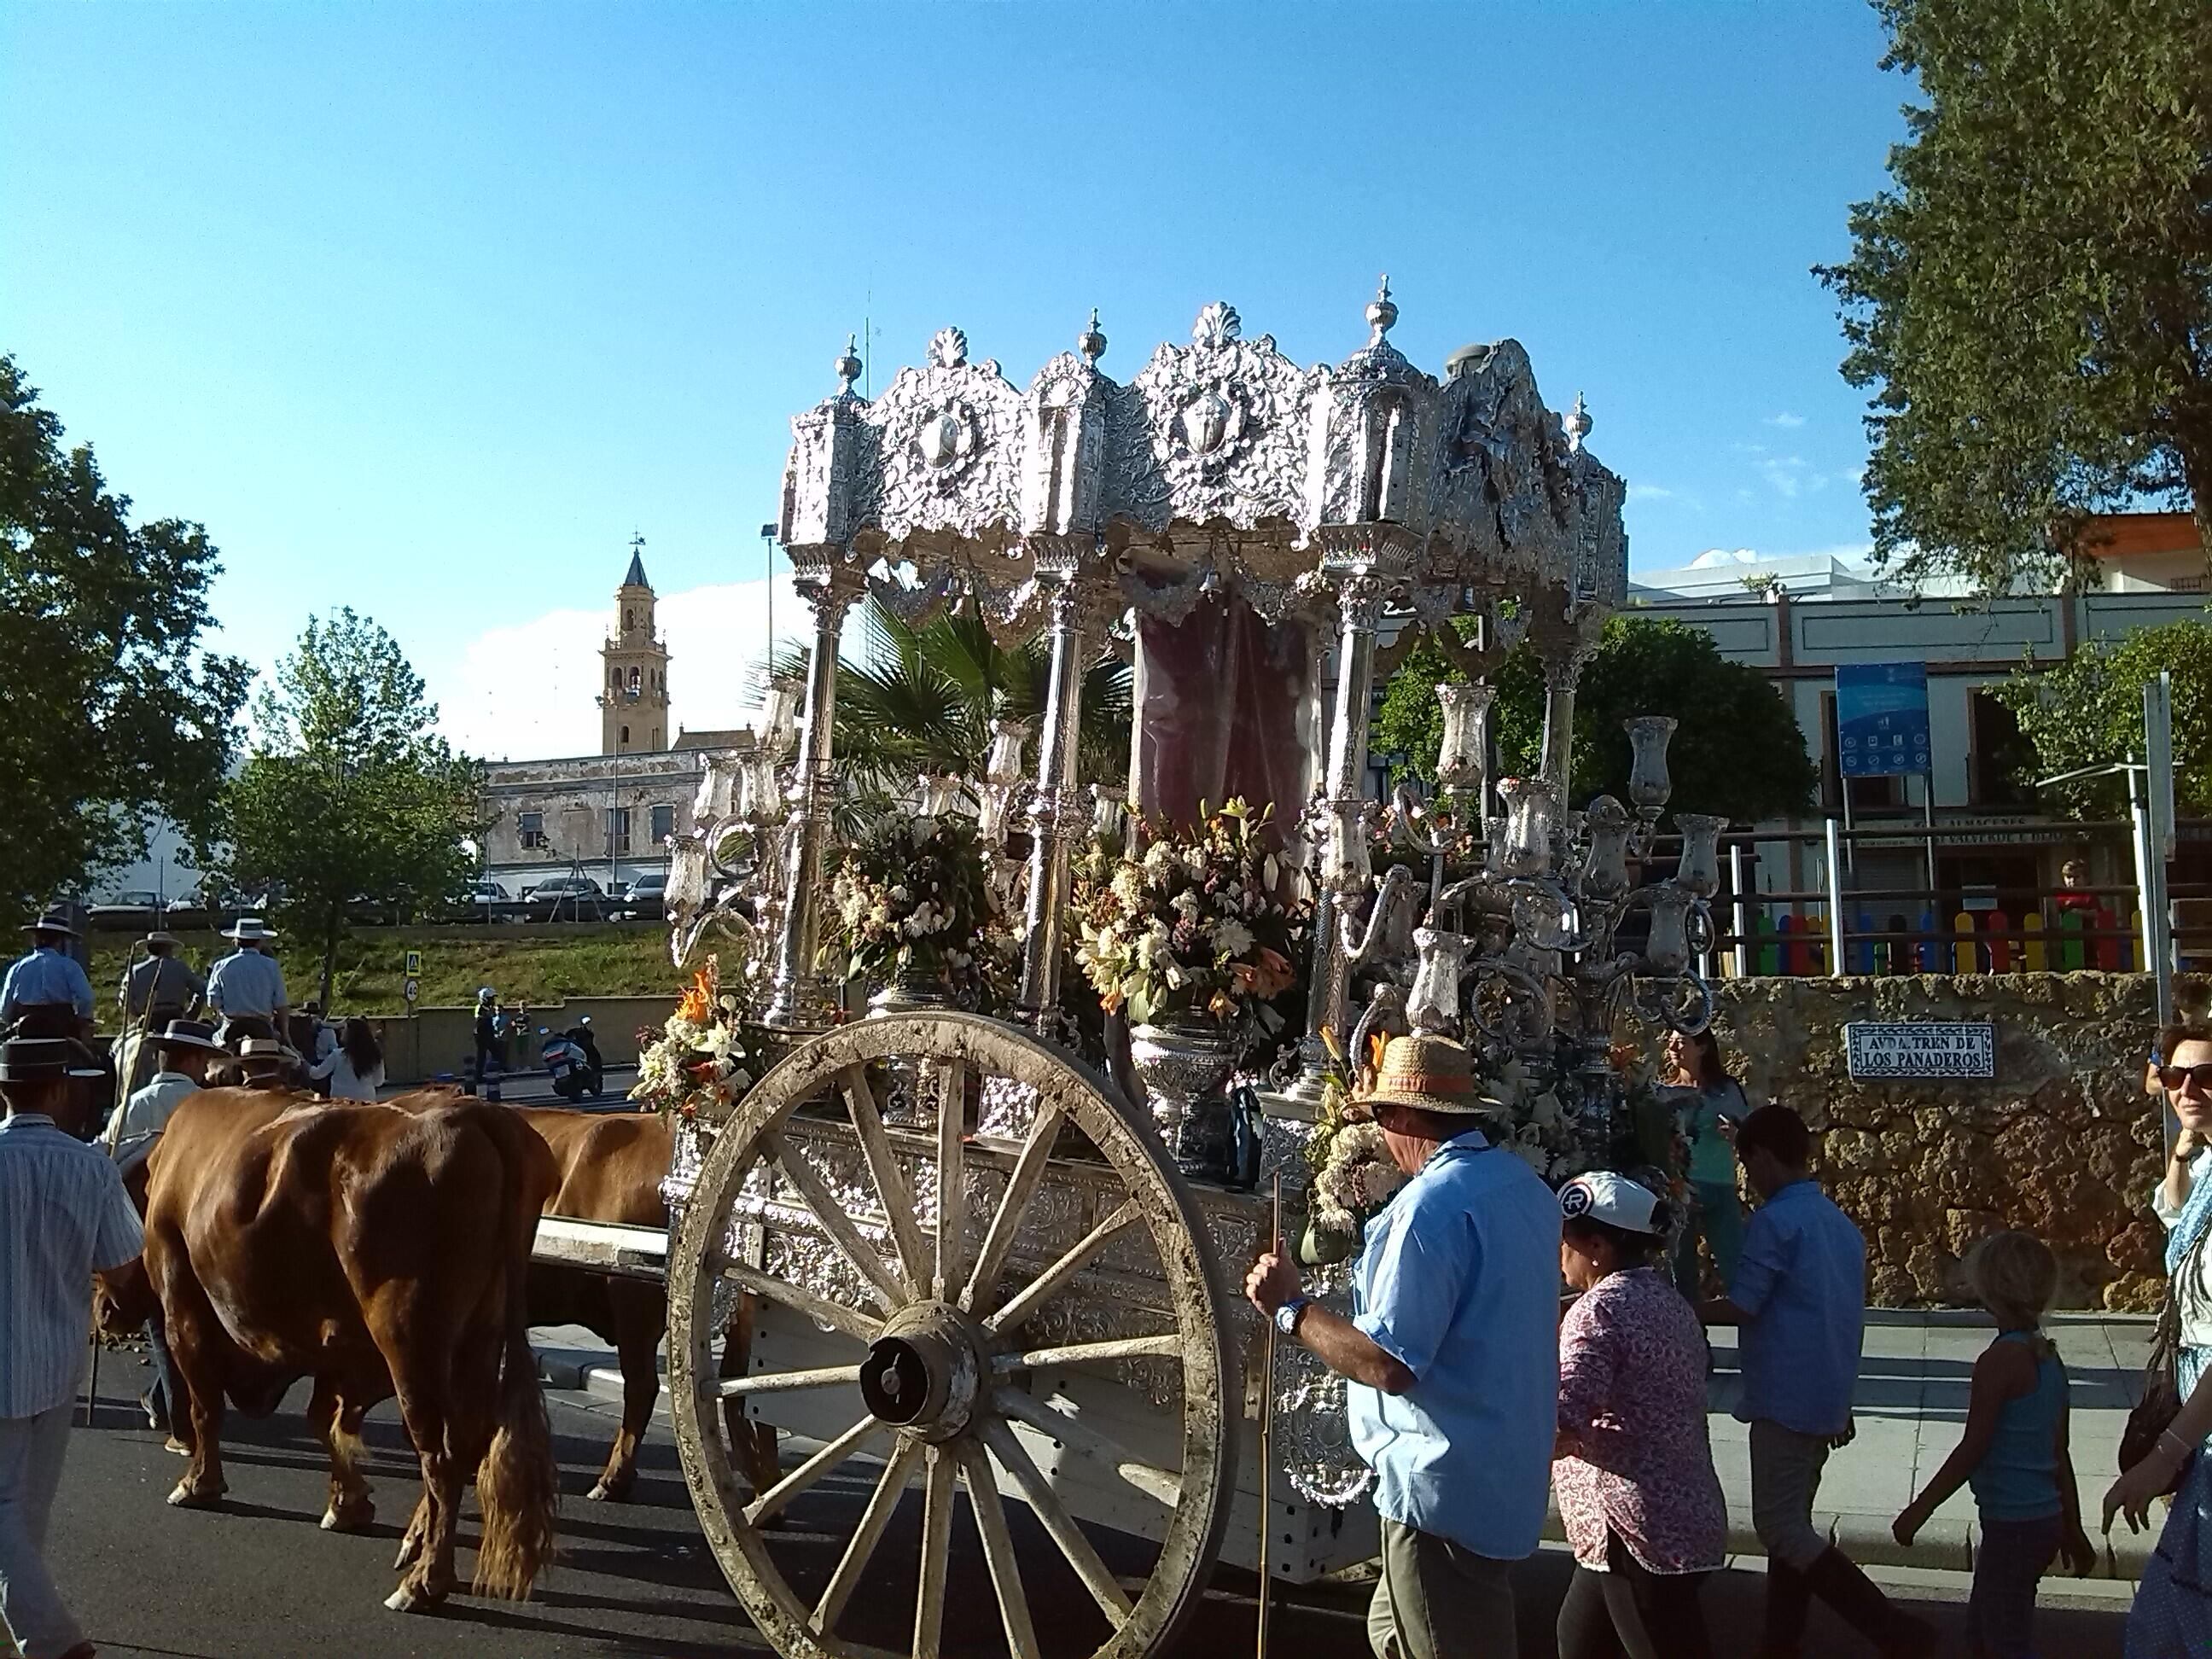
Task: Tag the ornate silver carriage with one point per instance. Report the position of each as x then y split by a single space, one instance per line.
1001 1281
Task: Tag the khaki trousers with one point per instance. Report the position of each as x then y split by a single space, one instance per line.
1785 1477
1438 1600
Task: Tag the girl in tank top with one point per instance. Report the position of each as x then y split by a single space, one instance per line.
2013 1452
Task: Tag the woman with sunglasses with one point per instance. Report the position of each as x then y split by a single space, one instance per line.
2172 1611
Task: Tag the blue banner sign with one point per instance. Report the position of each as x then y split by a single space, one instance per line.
1881 718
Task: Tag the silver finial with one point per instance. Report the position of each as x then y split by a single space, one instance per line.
948 348
1381 313
1090 344
1578 423
848 366
1218 324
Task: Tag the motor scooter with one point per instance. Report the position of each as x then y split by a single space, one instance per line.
572 1063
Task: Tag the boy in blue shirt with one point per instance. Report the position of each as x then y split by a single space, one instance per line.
1798 1296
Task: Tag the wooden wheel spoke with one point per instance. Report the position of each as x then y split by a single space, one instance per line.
1020 1188
822 1310
999 1552
890 1183
1046 1284
830 1215
1053 1516
1161 1486
1168 1346
809 1475
825 1376
882 1503
936 1546
952 1174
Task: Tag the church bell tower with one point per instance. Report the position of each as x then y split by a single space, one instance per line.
634 691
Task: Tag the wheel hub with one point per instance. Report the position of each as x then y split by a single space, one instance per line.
924 1373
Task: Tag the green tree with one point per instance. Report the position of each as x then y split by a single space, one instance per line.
349 793
2030 301
114 716
2087 711
1738 751
922 700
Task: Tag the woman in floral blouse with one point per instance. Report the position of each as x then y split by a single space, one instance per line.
1633 1468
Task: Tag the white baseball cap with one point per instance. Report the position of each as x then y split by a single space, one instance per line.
1613 1199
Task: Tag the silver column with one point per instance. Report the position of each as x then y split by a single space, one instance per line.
1561 675
800 1000
1359 608
1055 812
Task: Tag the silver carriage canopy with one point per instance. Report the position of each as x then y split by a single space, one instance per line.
1238 504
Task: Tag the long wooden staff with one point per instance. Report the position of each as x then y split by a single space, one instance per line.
1267 1436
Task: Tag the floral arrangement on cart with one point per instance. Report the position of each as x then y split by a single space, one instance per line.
1193 936
919 912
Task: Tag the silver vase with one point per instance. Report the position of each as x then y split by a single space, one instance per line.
1184 1066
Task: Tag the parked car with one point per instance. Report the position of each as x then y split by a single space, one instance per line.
566 898
486 901
648 898
188 909
137 908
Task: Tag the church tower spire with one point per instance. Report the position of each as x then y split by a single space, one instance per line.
633 693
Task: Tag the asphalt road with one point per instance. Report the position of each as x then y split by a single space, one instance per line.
259 1578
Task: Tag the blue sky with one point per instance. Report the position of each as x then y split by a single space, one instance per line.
425 309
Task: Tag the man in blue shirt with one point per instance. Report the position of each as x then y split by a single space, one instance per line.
1452 1356
46 991
1799 1298
248 986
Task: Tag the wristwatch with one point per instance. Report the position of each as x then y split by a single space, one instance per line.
1286 1317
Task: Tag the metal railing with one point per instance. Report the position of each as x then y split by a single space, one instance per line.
1955 927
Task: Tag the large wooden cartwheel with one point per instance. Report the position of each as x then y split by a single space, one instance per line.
939 1369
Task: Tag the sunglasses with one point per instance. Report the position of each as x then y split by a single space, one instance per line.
2172 1077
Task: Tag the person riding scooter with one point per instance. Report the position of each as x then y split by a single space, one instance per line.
572 1062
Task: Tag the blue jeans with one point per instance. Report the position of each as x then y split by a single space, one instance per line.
1716 1215
2012 1557
164 1397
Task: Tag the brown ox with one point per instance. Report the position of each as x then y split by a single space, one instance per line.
612 1168
380 1250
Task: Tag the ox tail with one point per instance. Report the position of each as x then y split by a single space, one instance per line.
518 1486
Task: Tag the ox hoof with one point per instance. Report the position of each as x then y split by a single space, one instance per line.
350 1517
185 1497
413 1598
609 1492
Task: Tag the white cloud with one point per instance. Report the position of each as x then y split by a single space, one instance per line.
1785 419
525 691
1637 492
1784 474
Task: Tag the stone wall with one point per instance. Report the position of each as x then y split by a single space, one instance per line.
2063 1144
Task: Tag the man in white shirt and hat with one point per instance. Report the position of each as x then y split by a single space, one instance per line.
186 1048
64 1217
46 992
247 987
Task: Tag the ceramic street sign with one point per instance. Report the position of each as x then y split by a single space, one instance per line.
1960 1049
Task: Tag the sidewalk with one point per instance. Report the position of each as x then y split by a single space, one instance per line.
1910 1406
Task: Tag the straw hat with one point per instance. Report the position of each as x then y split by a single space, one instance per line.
1432 1074
263 1051
246 929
